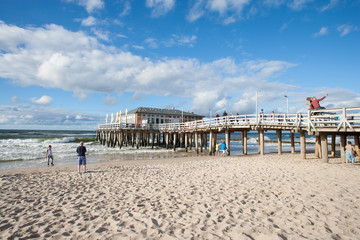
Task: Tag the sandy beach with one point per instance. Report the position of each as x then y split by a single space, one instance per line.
246 197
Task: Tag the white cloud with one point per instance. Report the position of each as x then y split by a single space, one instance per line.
44 100
24 115
298 4
89 21
100 34
228 10
160 7
138 47
152 42
53 57
111 101
331 4
126 10
57 58
90 5
274 3
222 6
293 4
196 11
181 40
323 31
345 29
15 99
285 25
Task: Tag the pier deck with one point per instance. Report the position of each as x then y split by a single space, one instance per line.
322 123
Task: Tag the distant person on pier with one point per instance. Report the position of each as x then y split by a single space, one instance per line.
49 155
225 116
81 150
315 105
308 102
272 116
217 117
350 153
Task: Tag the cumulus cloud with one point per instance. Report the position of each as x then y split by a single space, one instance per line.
15 99
111 101
332 4
52 56
44 100
160 7
298 4
196 11
90 5
323 31
228 10
126 10
345 29
89 21
152 42
181 40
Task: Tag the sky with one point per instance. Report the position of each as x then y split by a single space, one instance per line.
65 64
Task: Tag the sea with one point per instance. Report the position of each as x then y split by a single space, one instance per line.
27 148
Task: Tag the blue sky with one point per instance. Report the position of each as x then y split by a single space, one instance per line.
66 64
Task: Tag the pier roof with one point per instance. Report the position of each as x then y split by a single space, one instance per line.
163 111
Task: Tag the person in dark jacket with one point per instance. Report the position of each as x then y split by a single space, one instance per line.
81 150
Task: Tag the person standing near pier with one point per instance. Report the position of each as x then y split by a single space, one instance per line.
81 150
350 153
49 155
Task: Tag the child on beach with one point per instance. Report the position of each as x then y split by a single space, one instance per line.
49 155
217 153
350 153
223 149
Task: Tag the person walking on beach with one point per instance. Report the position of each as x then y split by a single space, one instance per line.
217 153
81 150
49 155
350 153
223 149
315 105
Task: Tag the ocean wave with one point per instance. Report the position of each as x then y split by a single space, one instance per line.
60 140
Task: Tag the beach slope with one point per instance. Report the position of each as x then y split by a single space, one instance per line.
246 197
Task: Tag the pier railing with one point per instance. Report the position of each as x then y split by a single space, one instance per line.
335 119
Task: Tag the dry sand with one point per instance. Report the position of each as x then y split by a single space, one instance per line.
246 197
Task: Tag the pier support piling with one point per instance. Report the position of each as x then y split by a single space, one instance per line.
333 146
342 147
292 142
245 142
227 139
302 145
324 147
261 142
278 133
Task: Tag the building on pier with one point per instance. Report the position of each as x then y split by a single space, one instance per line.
147 115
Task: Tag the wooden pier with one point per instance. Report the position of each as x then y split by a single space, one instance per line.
201 135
